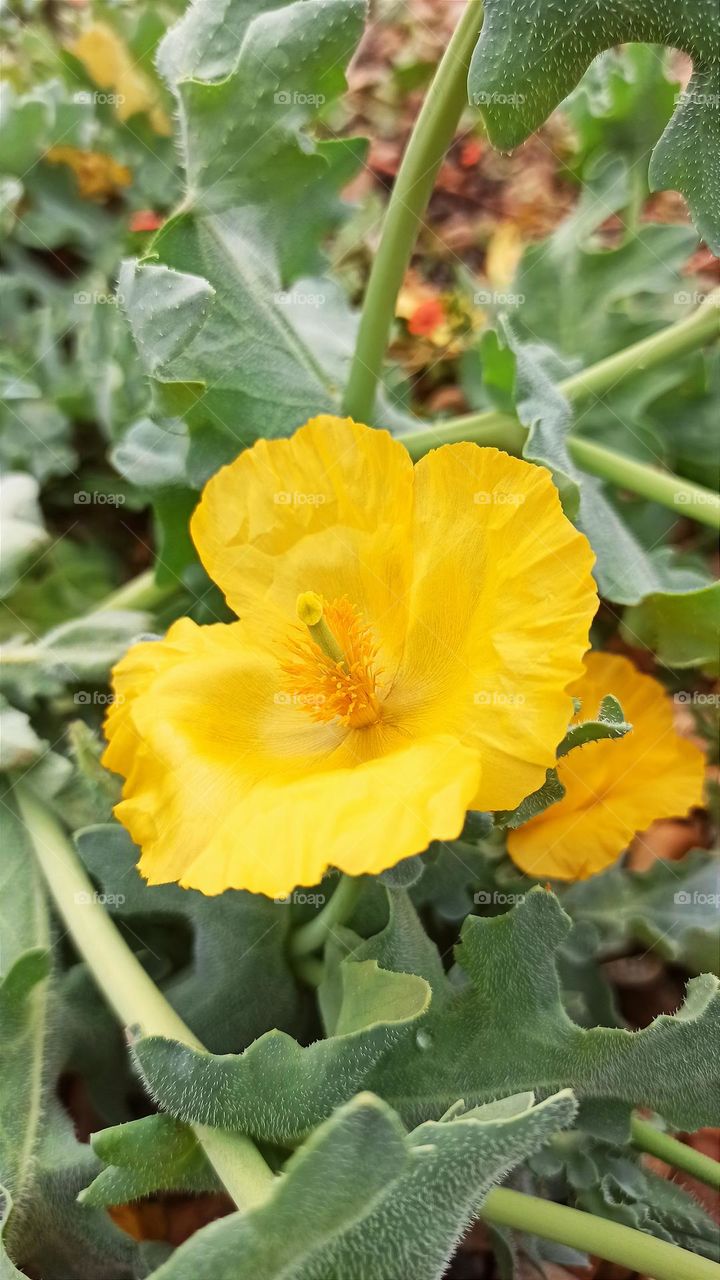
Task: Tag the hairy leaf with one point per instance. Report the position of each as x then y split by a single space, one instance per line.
276 1090
362 1199
155 1153
672 907
231 346
529 57
507 1030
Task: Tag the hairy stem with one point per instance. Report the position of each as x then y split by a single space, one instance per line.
433 132
677 1154
609 1240
128 990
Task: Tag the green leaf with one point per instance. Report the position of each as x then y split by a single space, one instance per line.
610 723
42 1166
155 1153
681 629
236 983
528 60
23 532
276 1090
329 1185
362 1199
614 1184
402 945
19 743
506 1030
537 802
672 908
82 650
25 935
624 570
587 300
622 104
217 281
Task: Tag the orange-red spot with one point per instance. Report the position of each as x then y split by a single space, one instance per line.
146 220
471 153
427 317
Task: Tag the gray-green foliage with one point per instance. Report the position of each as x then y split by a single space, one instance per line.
361 1198
224 314
42 1165
277 1090
236 982
532 53
505 1030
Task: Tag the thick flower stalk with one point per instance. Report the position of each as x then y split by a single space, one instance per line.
612 789
406 640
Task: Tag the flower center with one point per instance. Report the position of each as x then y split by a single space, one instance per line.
332 672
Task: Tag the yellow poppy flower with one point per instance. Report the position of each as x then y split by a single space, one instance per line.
612 789
407 638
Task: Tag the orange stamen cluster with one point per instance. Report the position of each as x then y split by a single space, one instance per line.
330 690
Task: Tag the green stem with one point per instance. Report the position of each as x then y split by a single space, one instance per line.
141 593
128 990
505 431
309 969
609 1240
248 1179
647 1138
432 135
681 496
311 936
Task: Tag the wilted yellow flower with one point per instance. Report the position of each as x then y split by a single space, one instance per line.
110 63
98 175
612 789
407 638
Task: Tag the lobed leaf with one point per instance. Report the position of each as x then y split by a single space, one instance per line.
276 1090
530 56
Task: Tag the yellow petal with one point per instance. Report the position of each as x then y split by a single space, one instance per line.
457 600
613 789
98 175
502 600
329 511
228 786
111 65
